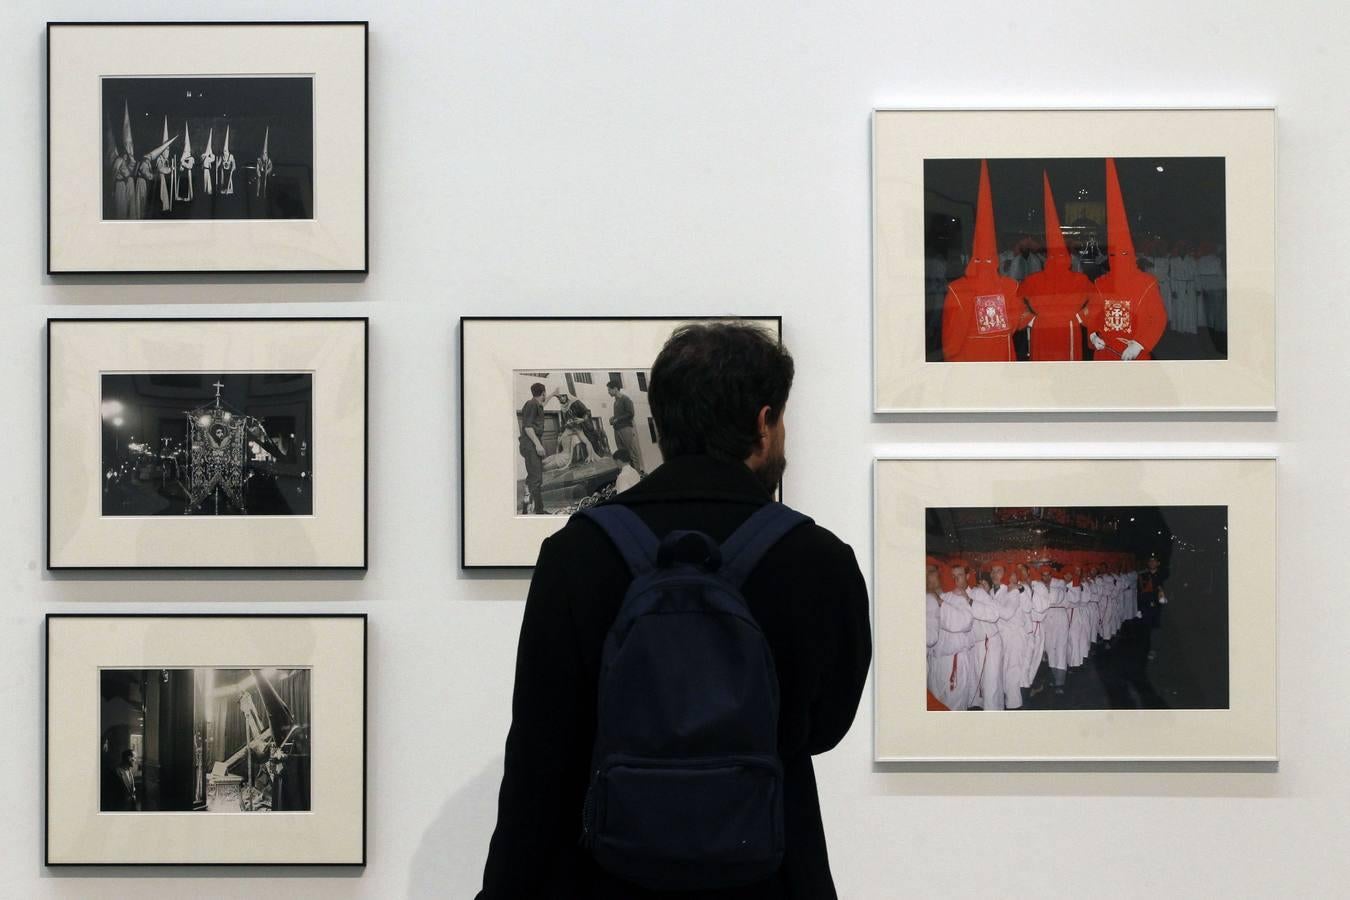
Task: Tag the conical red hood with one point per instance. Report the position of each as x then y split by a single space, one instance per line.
1056 251
984 254
1119 244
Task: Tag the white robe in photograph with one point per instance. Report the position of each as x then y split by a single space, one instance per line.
1038 606
1080 627
1056 626
1012 626
988 648
949 633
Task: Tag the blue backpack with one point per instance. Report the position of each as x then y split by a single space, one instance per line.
686 789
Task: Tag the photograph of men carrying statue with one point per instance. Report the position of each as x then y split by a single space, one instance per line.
584 436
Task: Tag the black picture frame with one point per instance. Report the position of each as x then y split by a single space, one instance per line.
363 566
365 738
363 269
463 560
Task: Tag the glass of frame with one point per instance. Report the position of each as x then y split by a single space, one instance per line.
206 443
1075 608
553 417
206 147
1074 260
206 739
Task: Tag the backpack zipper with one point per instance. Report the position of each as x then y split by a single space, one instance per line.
588 813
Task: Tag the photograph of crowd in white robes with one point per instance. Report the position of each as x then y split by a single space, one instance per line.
1077 608
583 436
1075 259
208 147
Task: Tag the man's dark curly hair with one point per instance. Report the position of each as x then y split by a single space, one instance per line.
709 383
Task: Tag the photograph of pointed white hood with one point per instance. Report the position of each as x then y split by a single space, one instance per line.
261 167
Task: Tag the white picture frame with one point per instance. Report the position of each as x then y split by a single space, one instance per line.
81 534
80 646
332 235
906 381
909 481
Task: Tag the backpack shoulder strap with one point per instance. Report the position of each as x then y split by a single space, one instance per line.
629 534
748 544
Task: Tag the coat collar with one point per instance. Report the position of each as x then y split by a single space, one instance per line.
697 478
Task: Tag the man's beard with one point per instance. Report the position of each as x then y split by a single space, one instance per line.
770 473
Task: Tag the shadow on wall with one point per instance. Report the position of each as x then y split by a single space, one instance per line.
449 860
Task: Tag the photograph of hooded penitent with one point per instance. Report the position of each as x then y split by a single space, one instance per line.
1127 265
209 148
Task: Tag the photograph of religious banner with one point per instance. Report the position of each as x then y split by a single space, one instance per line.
212 739
201 147
1087 607
206 443
1077 608
585 436
208 148
204 740
555 417
1135 240
181 443
1129 265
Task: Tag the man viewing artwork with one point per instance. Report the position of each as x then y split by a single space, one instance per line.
796 591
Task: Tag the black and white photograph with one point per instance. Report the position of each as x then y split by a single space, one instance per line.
555 417
233 444
205 739
208 147
204 443
1085 259
1077 608
584 436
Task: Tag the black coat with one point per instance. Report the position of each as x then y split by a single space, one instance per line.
811 602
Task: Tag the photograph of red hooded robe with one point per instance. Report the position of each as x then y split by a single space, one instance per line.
1057 297
1128 317
981 311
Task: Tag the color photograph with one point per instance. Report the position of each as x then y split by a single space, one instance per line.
1075 259
1077 608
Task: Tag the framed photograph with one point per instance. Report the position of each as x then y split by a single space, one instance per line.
1074 260
206 739
1075 608
206 147
577 387
206 443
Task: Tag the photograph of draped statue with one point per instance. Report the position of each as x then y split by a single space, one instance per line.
583 435
1099 260
208 147
1078 259
1077 608
184 443
205 739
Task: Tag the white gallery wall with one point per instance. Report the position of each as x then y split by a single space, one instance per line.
573 158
